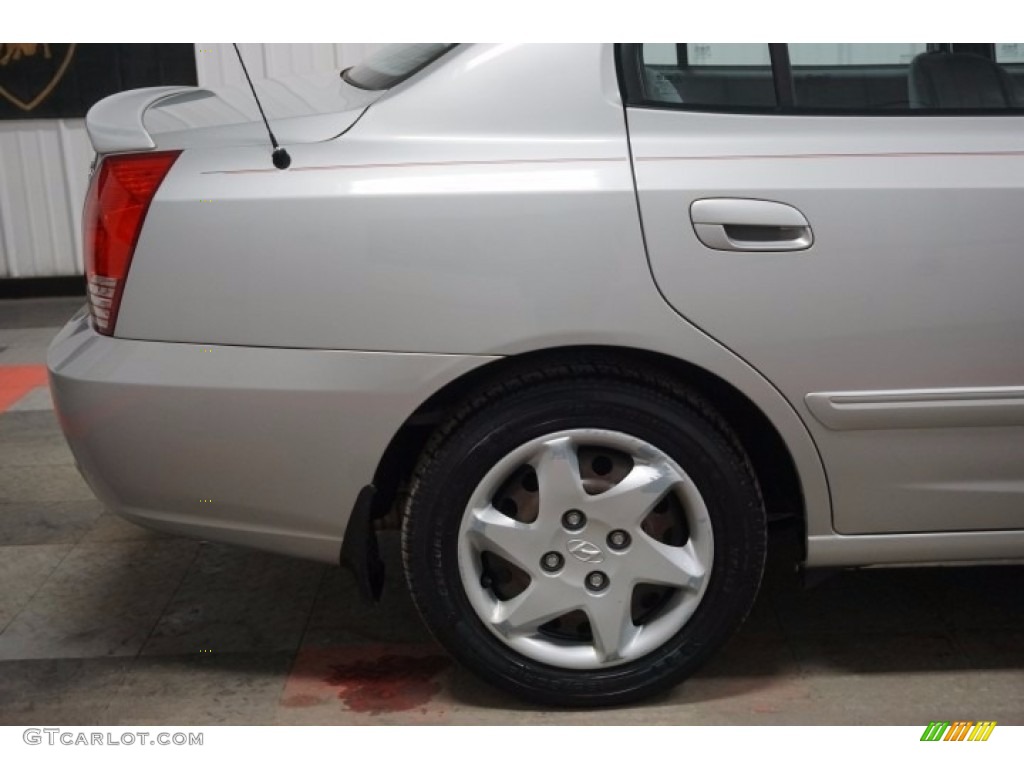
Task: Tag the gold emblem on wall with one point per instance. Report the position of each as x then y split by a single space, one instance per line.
30 71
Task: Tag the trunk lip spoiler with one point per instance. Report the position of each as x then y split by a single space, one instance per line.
115 124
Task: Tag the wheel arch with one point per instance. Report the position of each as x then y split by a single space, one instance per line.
769 453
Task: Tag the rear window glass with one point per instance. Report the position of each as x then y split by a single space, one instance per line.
391 64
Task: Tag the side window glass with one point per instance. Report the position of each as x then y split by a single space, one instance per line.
832 78
1010 56
965 78
723 75
853 77
1010 53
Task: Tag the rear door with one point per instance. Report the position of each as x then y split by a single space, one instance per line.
850 220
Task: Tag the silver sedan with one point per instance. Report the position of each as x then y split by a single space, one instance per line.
583 318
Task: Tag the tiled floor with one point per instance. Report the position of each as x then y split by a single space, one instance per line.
102 622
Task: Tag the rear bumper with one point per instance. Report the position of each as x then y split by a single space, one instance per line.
259 447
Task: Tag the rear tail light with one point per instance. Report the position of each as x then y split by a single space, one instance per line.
119 196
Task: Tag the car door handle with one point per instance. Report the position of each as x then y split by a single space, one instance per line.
736 224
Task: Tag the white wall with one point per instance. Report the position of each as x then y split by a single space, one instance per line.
216 63
44 164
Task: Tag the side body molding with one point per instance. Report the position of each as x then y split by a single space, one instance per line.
919 409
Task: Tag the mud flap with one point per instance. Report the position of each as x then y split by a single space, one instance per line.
360 552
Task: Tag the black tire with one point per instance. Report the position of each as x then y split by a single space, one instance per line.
495 422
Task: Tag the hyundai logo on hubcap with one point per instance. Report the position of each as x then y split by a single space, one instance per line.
583 550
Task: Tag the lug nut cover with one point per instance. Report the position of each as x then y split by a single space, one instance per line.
551 561
596 581
574 519
619 539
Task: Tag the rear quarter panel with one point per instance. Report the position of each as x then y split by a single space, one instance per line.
484 207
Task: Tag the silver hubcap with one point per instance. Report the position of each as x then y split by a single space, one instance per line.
585 548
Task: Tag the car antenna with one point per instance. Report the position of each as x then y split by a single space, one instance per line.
279 156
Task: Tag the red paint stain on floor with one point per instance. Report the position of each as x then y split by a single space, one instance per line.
388 684
366 679
16 381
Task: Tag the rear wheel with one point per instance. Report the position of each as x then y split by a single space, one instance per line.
584 540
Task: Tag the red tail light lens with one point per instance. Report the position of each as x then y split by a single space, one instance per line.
119 196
